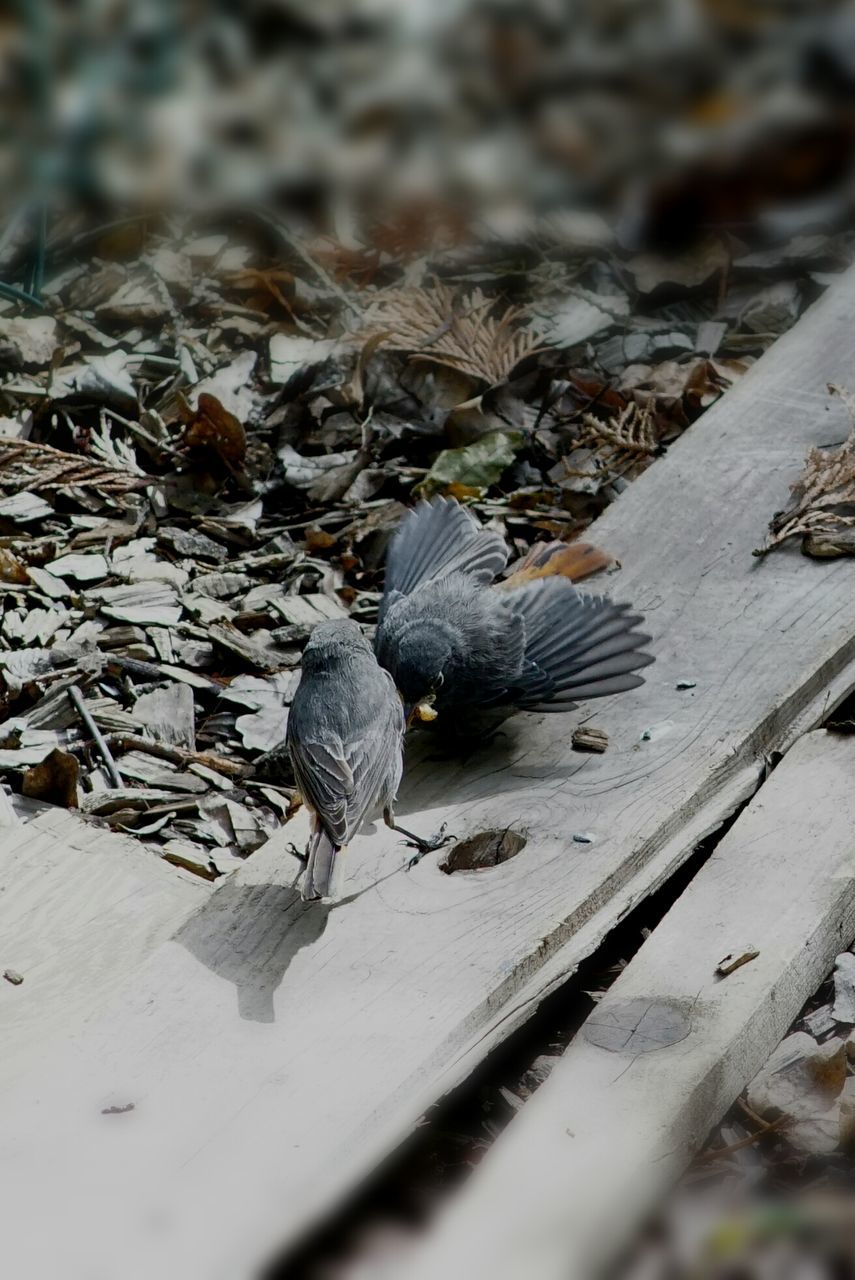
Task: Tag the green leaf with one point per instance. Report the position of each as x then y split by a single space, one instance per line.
475 466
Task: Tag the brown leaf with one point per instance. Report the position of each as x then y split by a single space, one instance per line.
11 569
319 539
213 427
54 780
822 509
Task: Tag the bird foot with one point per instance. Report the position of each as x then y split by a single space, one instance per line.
427 846
300 854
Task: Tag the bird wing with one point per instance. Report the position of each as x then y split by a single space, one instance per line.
343 778
436 539
325 781
577 646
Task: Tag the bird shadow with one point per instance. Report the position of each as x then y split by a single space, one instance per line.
249 935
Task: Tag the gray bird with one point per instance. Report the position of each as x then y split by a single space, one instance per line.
345 737
450 640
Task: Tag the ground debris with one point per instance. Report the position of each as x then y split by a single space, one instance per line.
822 510
589 739
208 438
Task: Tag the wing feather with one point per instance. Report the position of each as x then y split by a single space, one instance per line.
342 779
436 539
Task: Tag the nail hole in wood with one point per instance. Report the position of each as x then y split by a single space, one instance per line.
487 849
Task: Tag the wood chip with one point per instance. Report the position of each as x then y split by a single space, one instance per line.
735 961
84 568
253 651
146 603
843 1009
168 714
586 739
54 779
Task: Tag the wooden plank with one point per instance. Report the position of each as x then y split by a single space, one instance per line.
279 1049
80 908
619 1119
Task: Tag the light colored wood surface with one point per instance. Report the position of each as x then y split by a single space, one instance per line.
565 1185
80 908
275 1050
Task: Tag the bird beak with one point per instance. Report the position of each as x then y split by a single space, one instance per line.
420 710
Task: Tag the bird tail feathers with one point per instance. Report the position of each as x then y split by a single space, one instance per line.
573 560
317 878
577 646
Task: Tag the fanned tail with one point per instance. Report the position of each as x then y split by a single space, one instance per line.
317 878
573 560
577 646
436 539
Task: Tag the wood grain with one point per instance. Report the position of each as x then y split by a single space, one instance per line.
672 1044
276 1050
80 908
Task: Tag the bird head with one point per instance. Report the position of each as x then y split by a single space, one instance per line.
332 642
421 660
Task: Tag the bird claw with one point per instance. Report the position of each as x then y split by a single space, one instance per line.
300 854
428 846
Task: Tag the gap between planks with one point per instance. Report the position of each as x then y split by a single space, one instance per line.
280 1049
566 1185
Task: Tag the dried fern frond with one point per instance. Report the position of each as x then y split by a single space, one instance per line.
823 499
25 465
630 431
461 332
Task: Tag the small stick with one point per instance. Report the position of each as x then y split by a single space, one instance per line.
775 1126
77 701
147 670
178 755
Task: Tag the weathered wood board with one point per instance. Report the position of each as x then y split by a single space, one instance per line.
619 1118
276 1050
80 908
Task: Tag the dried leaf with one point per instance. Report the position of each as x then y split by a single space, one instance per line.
25 465
104 379
54 779
27 341
11 569
168 715
823 501
291 355
212 426
476 466
463 333
803 1081
582 315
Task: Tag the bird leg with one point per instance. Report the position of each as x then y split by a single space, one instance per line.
417 842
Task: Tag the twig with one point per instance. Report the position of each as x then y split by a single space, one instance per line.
149 670
77 701
773 1126
178 755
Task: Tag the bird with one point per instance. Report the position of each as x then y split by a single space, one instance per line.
345 737
452 638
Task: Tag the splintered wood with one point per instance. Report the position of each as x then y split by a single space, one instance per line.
281 1048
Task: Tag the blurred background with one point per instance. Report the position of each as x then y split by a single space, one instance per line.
421 123
657 187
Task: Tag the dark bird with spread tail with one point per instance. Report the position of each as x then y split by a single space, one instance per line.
452 638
